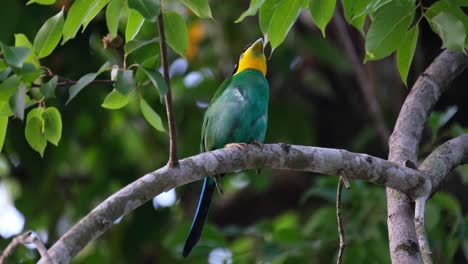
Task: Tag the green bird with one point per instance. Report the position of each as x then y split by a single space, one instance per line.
238 114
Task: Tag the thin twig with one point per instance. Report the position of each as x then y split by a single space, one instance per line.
426 253
173 161
362 79
25 238
340 221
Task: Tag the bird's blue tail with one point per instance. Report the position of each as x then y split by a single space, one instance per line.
200 215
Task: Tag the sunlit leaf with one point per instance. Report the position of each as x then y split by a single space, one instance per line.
149 9
451 7
115 100
157 80
151 116
52 125
41 2
264 16
386 31
48 36
176 32
405 52
322 12
114 12
451 30
354 13
34 131
253 8
133 45
8 87
201 8
95 9
28 72
283 18
125 82
3 130
134 23
22 40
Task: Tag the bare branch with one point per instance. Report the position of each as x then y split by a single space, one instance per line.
25 238
339 220
276 156
424 248
173 161
403 146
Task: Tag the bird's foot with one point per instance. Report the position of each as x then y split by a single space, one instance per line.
258 144
236 145
217 180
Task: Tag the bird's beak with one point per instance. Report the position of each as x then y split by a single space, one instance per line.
258 45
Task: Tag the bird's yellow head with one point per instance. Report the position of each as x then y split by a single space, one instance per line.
253 58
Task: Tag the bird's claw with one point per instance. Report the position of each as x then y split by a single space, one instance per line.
258 144
236 145
218 184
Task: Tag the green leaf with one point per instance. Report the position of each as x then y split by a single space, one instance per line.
151 116
41 2
322 12
201 8
8 87
283 18
3 130
134 23
29 72
84 81
253 8
149 9
18 101
113 15
15 56
157 80
52 125
34 132
451 30
405 52
22 40
386 31
264 16
354 13
176 32
125 82
133 45
82 11
115 100
5 109
48 88
49 35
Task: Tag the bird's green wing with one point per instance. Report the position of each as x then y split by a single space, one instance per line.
221 89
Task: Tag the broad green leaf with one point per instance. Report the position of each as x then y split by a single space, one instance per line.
253 8
451 30
48 88
451 7
374 5
34 134
36 112
264 16
133 45
134 23
52 125
9 87
41 2
149 9
3 130
150 63
115 100
113 14
84 81
22 40
5 109
157 80
405 52
4 73
81 11
354 13
151 116
176 32
92 13
49 35
201 8
15 56
322 12
386 31
125 82
282 19
28 72
18 101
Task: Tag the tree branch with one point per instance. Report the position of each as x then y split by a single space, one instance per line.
403 146
173 161
26 238
340 221
276 156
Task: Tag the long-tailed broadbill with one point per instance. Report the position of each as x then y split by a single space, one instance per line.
237 114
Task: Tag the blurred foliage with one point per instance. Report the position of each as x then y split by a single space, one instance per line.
112 131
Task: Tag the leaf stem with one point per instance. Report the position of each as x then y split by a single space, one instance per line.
173 161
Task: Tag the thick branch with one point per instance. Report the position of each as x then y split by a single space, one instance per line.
277 156
173 161
403 145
